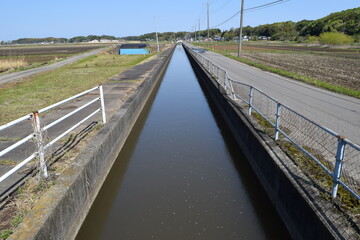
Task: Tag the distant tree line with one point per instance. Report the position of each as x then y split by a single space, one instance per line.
91 38
170 36
339 27
61 40
39 40
340 23
345 22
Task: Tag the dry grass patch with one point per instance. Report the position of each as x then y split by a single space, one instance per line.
11 64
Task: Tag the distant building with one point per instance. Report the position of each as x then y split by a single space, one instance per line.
133 48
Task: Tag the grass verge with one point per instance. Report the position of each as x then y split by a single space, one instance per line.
312 81
20 98
296 76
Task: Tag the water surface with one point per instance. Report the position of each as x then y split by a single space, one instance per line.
180 175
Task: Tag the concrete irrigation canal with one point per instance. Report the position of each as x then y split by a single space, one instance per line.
180 159
180 174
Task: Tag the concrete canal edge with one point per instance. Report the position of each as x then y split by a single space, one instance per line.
61 211
276 172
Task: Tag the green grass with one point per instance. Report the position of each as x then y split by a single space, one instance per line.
296 76
346 200
30 94
6 233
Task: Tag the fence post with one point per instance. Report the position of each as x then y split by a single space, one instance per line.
40 144
231 86
250 100
102 103
277 120
338 165
225 84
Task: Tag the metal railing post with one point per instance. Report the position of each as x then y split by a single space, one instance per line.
102 103
40 144
277 120
250 100
231 86
338 166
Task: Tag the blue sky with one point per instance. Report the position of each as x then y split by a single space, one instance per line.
69 18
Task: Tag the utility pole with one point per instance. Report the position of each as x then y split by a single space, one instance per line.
157 38
199 28
195 31
241 27
208 20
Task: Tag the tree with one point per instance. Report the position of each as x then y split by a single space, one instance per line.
333 38
347 22
78 39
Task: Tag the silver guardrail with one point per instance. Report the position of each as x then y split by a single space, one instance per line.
336 155
38 130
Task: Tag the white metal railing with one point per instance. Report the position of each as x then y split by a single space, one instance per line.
339 157
38 130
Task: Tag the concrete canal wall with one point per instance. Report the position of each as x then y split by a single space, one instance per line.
61 211
277 174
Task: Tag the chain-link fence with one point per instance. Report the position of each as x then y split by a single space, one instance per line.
329 160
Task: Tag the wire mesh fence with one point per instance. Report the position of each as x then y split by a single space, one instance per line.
351 167
330 161
310 136
264 105
241 91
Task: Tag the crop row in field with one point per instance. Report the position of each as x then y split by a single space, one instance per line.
46 50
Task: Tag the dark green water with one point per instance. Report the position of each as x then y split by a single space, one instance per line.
180 175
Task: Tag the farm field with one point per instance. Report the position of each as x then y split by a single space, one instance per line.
17 58
340 67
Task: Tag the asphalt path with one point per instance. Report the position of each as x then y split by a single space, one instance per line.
26 73
337 112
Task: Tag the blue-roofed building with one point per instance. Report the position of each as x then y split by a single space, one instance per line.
133 48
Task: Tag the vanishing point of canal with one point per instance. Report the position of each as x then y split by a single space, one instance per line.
180 174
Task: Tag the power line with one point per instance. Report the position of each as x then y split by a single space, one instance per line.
252 9
227 20
218 9
203 13
266 5
212 1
